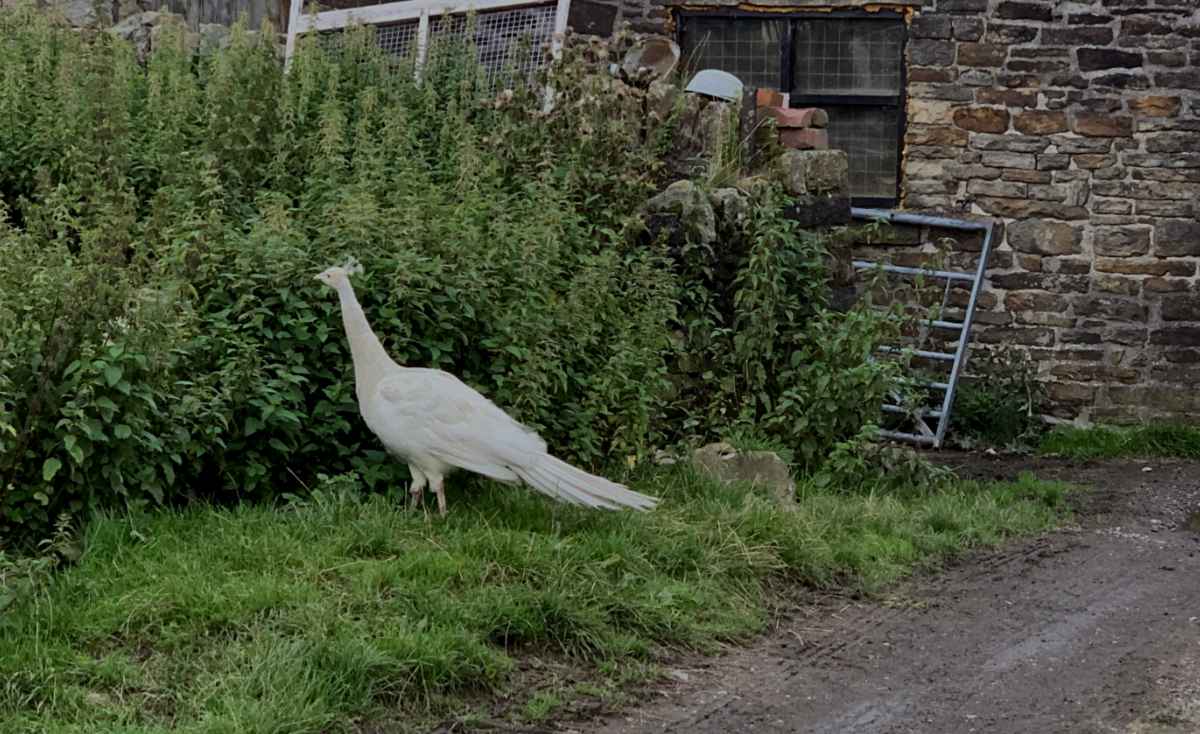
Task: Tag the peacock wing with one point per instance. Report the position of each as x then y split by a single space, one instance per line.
457 425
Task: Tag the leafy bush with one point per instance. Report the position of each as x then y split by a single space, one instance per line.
1000 402
160 330
161 335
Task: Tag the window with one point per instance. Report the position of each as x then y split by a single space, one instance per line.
850 66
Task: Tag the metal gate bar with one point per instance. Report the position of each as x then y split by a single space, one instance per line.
964 328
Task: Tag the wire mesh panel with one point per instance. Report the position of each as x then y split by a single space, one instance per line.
868 134
848 57
747 48
398 39
511 39
510 45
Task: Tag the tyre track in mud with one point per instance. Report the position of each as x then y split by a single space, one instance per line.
1068 632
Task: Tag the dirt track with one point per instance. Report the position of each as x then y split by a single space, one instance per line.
1094 628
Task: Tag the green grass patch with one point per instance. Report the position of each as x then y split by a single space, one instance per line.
1103 442
344 609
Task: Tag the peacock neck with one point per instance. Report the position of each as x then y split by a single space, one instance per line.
370 359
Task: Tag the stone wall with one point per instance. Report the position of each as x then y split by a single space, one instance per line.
1078 124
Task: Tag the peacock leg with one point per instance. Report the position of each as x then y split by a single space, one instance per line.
417 489
436 483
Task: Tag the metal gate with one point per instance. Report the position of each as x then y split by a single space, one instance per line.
922 433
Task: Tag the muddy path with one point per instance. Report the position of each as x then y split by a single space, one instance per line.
1093 628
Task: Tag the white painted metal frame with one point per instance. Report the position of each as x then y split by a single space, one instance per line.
420 10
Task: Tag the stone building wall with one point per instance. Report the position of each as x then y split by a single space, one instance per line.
1078 124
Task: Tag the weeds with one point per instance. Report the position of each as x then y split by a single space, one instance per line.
1000 402
1104 442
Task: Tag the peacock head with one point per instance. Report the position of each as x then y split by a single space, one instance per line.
339 275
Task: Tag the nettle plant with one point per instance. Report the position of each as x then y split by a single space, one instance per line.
162 337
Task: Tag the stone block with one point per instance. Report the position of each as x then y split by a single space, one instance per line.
1146 267
1043 237
1034 301
1038 336
1018 174
1095 59
1121 241
811 212
1072 394
1121 285
930 25
1111 307
1000 159
1112 206
930 52
1040 122
982 119
930 112
814 172
1181 307
1012 143
1176 336
1103 126
1166 285
1077 36
1167 58
1039 66
1095 373
998 188
1090 161
1023 208
936 135
1166 208
1007 97
962 6
982 54
1053 162
1013 10
1189 79
967 28
927 74
1068 265
1173 142
1177 238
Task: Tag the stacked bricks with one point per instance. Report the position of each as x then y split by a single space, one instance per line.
799 129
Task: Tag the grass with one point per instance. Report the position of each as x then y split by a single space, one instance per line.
1103 442
341 611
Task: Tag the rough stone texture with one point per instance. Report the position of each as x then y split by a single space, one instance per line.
685 200
819 172
1081 135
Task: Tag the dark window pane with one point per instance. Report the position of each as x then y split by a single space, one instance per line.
748 48
859 57
871 141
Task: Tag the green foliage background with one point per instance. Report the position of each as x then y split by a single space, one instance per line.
162 337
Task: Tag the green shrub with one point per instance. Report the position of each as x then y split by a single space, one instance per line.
162 336
1000 402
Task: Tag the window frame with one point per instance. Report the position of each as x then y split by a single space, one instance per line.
787 57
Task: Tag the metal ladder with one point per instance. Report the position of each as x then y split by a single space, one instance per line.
924 434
